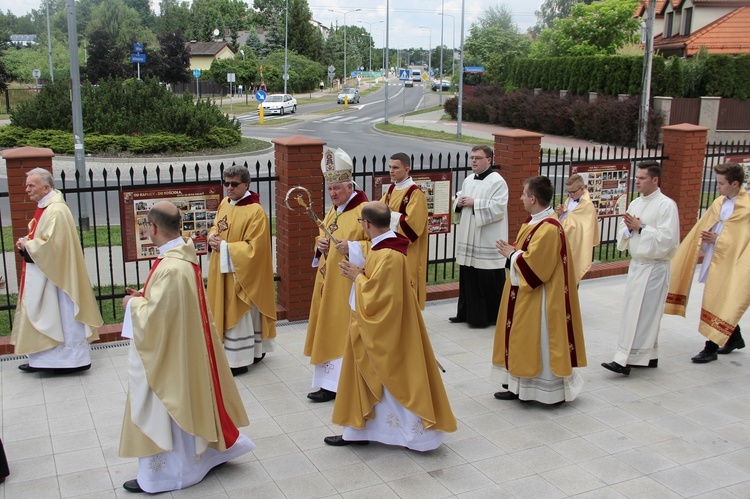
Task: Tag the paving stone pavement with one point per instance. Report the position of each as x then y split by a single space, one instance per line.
682 430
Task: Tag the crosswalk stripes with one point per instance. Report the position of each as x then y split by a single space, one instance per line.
350 119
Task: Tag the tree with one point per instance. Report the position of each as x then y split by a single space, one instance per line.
174 18
253 43
550 10
270 15
304 38
106 57
596 29
494 41
170 62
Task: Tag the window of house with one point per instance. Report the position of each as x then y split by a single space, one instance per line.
688 21
670 21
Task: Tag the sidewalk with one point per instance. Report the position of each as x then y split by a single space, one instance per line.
682 430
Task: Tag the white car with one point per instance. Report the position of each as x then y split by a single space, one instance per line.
279 104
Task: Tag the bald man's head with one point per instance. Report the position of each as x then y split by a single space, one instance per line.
166 216
378 214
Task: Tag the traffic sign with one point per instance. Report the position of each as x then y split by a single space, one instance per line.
404 74
331 74
424 76
231 77
285 76
138 47
260 96
331 68
196 73
36 74
139 58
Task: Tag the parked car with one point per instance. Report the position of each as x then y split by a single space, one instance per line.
351 93
409 83
279 104
435 85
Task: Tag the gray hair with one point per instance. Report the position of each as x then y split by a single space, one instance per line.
44 175
237 171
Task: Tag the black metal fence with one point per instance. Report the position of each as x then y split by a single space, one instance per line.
717 153
556 165
98 198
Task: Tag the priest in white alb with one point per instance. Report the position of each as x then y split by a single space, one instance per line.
650 231
57 315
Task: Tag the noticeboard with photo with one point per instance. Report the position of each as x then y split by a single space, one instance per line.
197 205
608 183
436 188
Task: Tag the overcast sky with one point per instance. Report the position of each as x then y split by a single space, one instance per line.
406 17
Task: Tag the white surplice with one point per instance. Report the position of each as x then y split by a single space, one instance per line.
648 276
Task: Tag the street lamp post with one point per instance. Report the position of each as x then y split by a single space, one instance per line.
453 48
286 46
345 13
429 49
371 40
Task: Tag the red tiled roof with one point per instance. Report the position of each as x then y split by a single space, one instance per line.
641 11
726 35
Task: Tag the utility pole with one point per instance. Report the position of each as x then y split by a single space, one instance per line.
440 77
646 79
461 75
75 90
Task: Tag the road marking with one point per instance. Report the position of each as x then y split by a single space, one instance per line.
347 118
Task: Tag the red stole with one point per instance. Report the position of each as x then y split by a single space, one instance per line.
408 231
34 223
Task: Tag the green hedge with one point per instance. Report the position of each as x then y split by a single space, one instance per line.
122 115
606 120
61 142
705 74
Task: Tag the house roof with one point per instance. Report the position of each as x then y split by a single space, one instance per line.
727 35
641 11
205 48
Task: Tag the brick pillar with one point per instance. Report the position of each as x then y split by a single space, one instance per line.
682 171
19 161
297 161
517 155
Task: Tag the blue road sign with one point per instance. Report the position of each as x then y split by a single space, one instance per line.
260 96
404 74
139 58
138 47
432 73
196 73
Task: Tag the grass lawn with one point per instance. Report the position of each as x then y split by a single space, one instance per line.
431 134
422 111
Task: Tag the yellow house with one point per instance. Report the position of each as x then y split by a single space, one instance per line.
202 54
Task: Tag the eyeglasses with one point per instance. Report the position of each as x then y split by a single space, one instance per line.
233 184
575 190
477 157
360 220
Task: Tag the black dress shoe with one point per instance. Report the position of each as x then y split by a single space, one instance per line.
705 357
258 359
651 363
338 441
71 370
506 396
616 368
456 320
236 371
28 369
732 344
321 395
132 486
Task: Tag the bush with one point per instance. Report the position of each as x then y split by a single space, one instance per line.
117 112
606 120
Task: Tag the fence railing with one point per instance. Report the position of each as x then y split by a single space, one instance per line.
556 165
99 199
717 153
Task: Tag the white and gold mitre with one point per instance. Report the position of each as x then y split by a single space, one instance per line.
336 166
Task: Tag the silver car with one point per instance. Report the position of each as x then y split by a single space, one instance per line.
351 93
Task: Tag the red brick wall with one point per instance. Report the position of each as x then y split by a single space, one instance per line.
682 171
517 156
297 164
